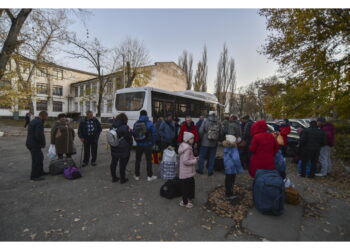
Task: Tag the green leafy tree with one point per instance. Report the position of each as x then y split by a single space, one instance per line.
312 48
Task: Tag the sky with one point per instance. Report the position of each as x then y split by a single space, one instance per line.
167 32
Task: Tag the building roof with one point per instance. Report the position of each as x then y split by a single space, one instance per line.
54 65
120 71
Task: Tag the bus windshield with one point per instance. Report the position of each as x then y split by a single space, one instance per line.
130 101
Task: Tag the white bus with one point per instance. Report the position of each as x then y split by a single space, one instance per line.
158 103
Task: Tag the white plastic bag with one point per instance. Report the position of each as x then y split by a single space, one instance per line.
52 152
288 183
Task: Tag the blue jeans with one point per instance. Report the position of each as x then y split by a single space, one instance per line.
203 152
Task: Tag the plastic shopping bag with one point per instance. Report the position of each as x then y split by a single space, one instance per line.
52 152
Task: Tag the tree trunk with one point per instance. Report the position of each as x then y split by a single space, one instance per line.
11 41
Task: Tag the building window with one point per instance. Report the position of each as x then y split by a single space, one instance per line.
76 107
93 88
109 87
57 90
57 107
87 106
42 88
58 74
81 90
25 68
94 106
41 105
88 89
81 107
41 72
109 106
76 91
23 104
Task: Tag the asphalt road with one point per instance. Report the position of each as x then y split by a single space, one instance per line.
95 209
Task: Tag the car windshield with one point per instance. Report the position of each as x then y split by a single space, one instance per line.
130 101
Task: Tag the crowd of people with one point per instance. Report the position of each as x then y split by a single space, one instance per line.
247 145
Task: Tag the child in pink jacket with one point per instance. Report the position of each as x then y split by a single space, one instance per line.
187 169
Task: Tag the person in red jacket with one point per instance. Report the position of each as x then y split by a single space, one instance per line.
284 131
263 147
188 126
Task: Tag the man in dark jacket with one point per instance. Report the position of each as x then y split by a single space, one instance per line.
246 136
167 132
145 145
89 132
233 127
311 141
35 142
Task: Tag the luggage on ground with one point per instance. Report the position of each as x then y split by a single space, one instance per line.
171 189
268 192
72 173
168 166
58 166
292 196
219 164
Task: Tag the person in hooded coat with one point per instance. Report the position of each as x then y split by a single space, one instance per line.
62 136
263 146
284 132
121 153
187 169
188 126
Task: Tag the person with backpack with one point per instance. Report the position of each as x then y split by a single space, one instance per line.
145 136
200 122
35 142
167 132
232 164
312 140
62 136
264 147
325 152
210 133
233 127
89 133
187 170
119 137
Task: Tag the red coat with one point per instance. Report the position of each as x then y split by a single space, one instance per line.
284 131
264 148
184 128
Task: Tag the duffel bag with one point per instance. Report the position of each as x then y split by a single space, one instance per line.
171 189
58 166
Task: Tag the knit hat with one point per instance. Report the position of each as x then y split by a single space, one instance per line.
188 136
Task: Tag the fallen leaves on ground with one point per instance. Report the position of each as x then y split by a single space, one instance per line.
236 209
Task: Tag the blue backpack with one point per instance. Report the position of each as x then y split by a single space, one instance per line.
268 192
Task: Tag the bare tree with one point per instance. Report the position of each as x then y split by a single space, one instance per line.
225 78
11 42
98 57
44 30
200 78
132 56
186 62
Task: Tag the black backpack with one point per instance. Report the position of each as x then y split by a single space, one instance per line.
171 189
140 131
